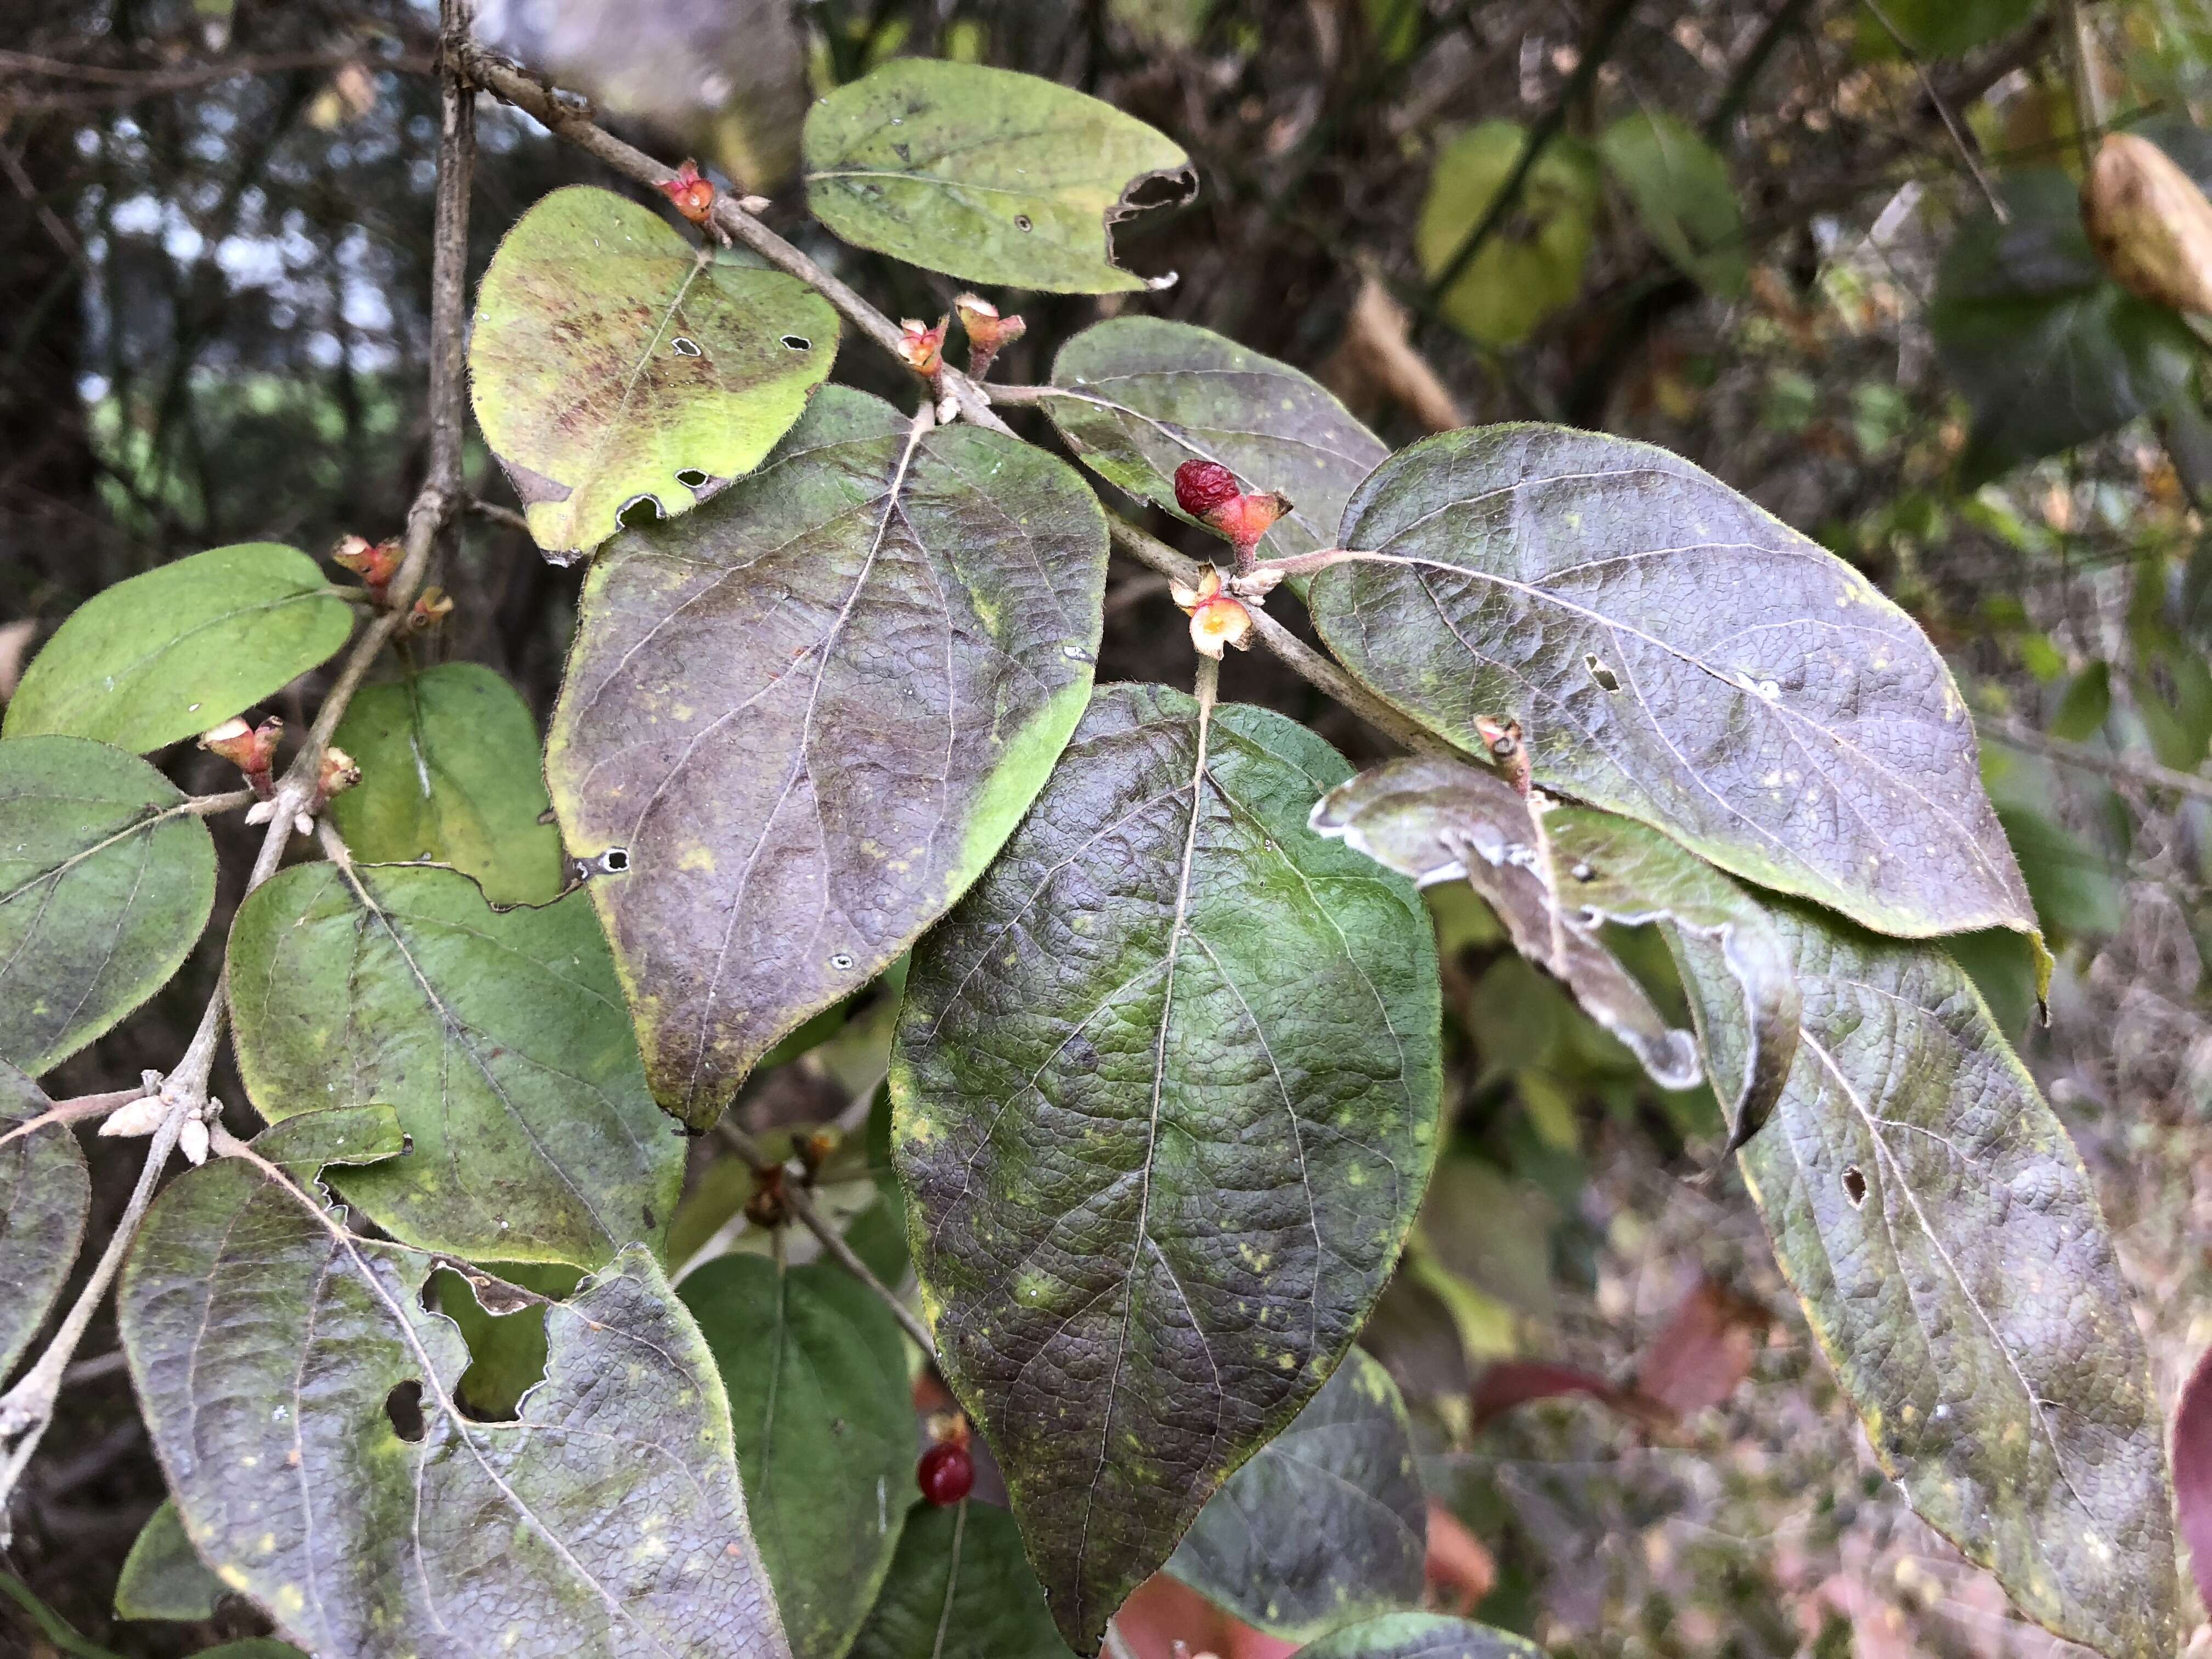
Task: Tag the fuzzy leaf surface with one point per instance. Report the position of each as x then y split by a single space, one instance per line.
1144 395
1677 654
610 359
498 1036
1938 1225
44 1193
105 885
799 723
1327 1524
1421 1636
982 173
960 1588
1164 1096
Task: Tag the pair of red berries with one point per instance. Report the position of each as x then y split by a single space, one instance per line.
947 1474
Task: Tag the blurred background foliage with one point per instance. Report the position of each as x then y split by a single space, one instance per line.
1829 249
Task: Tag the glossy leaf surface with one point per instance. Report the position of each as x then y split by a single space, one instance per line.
797 723
1934 1220
105 885
182 648
163 1577
1165 1098
1676 655
1327 1524
1517 280
610 360
1144 395
450 773
960 1588
44 1195
982 173
1680 188
499 1037
815 1368
1421 1636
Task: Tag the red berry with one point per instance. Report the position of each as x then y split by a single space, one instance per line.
945 1474
1201 486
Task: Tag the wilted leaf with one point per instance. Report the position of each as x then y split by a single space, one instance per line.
1326 1524
1421 1636
1507 1383
1703 1353
959 1587
302 1403
1164 1094
797 723
1532 264
1936 1223
163 1577
450 773
106 881
181 649
1944 29
982 173
611 360
498 1036
1144 395
43 1195
1680 189
1678 655
815 1368
2048 349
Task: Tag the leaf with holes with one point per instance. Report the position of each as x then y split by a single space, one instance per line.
301 1401
163 1577
106 881
1938 1228
983 174
498 1036
1165 1099
1674 653
1327 1524
959 1587
1142 396
815 1367
182 648
1556 875
797 723
1679 186
1421 1636
450 773
43 1195
610 360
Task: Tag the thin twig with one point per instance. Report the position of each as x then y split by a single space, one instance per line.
1959 139
2147 775
499 515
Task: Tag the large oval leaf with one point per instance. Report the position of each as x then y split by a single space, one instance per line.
163 1577
1164 1103
1526 270
1679 186
1327 1524
982 173
797 723
182 648
1938 1225
960 1589
611 360
1421 1636
450 773
106 881
1143 395
43 1195
1676 655
302 1403
498 1036
815 1369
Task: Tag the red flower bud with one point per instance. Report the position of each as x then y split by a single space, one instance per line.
1201 486
924 348
694 197
376 564
431 606
252 750
988 333
339 772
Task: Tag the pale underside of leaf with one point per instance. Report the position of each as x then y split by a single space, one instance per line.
44 1193
1421 1636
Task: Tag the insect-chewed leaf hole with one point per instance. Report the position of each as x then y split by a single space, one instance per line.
1855 1185
404 1407
685 347
613 862
1022 222
841 961
798 343
640 510
1604 676
691 477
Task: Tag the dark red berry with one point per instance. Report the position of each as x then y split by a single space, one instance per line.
1201 486
945 1474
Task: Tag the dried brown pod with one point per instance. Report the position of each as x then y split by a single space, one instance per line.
2149 223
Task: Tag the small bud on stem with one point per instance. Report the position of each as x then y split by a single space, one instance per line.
1218 619
694 196
1209 492
924 348
252 750
988 333
1503 738
376 563
431 606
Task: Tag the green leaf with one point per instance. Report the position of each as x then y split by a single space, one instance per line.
1144 395
816 1370
2086 704
302 1403
1421 1636
1532 264
1943 1236
1675 654
1945 28
796 725
163 1577
105 880
1681 192
612 360
1327 1524
1555 875
1164 1095
499 1037
182 648
450 773
982 173
2048 350
960 1588
43 1195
